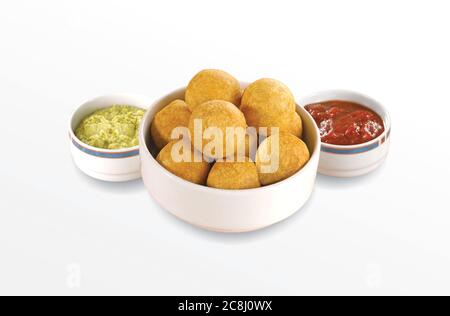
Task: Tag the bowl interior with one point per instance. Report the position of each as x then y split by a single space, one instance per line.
310 131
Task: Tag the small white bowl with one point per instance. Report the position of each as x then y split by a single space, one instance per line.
107 165
353 160
225 210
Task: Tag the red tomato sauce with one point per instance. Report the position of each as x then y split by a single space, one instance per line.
346 123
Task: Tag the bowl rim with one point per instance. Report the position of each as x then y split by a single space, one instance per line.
73 136
385 116
143 147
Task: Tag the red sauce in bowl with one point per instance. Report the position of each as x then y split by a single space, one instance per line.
346 123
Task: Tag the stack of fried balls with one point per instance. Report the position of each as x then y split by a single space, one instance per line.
216 99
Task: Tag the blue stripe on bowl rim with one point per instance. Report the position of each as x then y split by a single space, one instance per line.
353 151
102 154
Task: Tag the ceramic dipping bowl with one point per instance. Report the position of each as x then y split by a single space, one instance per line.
353 160
224 210
107 165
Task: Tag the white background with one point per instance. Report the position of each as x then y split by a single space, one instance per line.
63 233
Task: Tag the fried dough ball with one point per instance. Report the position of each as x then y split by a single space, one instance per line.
265 101
209 85
176 114
291 123
234 175
277 165
296 125
216 118
195 172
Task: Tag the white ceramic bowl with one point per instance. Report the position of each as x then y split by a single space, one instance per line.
225 210
107 165
354 160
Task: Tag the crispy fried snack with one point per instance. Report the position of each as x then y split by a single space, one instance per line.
266 103
277 165
291 123
212 122
176 114
234 175
195 172
209 85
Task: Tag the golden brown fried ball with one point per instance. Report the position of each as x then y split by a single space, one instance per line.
195 172
209 85
217 116
296 125
234 175
265 101
291 123
176 114
293 154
